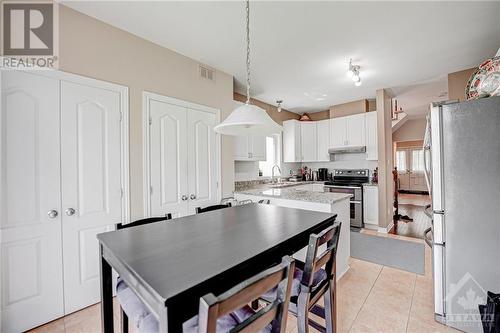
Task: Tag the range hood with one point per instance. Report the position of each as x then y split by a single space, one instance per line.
347 150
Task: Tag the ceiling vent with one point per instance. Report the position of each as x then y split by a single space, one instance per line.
207 73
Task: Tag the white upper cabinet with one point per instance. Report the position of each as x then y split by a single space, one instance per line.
292 151
240 148
323 140
250 148
258 148
355 129
338 132
310 141
308 134
371 136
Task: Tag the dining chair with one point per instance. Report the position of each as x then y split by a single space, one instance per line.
148 220
230 311
311 282
119 226
211 208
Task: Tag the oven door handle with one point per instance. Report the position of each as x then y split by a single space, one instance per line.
334 186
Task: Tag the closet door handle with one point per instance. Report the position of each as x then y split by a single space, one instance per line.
70 212
52 214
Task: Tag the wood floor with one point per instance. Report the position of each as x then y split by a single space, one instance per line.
412 205
371 298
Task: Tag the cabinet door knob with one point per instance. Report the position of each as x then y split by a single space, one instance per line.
192 196
52 214
184 197
70 212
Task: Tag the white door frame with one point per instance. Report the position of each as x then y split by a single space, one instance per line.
124 113
146 98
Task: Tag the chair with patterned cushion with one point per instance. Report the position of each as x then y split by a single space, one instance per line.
211 208
311 282
119 226
228 311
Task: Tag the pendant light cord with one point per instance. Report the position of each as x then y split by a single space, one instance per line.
248 49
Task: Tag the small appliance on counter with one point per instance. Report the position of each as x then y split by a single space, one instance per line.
323 174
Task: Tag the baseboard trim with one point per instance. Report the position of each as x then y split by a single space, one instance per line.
339 276
371 226
387 229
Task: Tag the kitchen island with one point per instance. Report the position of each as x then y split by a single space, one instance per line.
296 197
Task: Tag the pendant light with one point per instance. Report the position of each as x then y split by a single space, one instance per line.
248 119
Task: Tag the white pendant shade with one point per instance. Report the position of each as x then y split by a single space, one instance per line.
248 119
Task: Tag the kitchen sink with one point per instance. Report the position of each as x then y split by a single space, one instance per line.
281 185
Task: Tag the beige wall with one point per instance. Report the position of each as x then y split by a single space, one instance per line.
321 115
412 129
457 82
272 110
350 108
94 49
385 158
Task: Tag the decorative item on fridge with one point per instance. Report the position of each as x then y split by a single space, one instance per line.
485 81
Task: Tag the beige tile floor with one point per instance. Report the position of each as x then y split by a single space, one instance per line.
371 298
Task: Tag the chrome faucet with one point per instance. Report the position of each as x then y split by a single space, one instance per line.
272 172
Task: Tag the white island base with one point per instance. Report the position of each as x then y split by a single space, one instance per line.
340 206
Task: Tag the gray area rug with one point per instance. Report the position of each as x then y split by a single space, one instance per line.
401 254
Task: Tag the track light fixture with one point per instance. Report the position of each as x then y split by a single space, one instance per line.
279 101
353 73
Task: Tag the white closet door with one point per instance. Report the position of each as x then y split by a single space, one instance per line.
91 185
168 159
30 242
202 159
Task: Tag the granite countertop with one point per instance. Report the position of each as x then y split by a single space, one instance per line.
290 193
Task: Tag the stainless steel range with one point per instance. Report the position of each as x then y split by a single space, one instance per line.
350 181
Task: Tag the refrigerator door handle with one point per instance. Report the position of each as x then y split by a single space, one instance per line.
426 238
427 151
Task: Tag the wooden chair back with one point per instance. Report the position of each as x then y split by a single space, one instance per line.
211 208
274 314
315 261
144 221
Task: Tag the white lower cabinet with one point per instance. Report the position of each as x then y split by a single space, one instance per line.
61 185
370 206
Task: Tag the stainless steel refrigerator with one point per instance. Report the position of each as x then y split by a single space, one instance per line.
462 157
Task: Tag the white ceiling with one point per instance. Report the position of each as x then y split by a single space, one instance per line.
300 50
415 99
